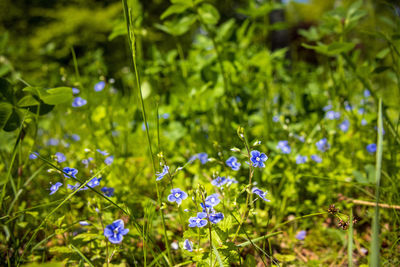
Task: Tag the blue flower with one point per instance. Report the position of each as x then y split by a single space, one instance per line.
284 146
53 142
367 93
87 161
70 171
104 153
348 107
115 231
275 118
177 196
344 126
260 193
212 200
364 122
75 137
84 223
60 157
301 159
258 158
108 191
165 116
78 102
199 220
371 148
361 111
323 145
55 187
219 181
316 158
203 157
206 208
332 115
301 235
230 181
164 172
326 108
233 163
94 182
75 91
73 187
33 155
99 86
188 245
109 160
216 217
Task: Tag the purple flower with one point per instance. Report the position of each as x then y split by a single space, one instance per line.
55 187
258 158
219 181
78 102
60 157
115 231
371 148
316 158
99 86
260 193
70 171
109 160
216 217
104 153
108 191
164 172
344 126
233 163
323 145
212 200
301 159
33 155
75 91
199 220
284 146
177 196
188 245
301 235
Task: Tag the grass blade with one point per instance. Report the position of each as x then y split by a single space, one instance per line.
82 255
221 264
350 240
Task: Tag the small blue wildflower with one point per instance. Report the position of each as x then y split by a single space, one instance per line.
275 118
326 108
383 130
87 161
238 99
348 107
367 93
323 145
70 171
108 191
301 159
258 158
203 157
361 111
99 86
230 181
144 126
344 126
199 220
188 245
84 223
212 200
109 160
332 115
75 91
301 235
104 153
75 137
260 193
53 142
206 208
73 187
300 138
364 122
219 181
115 231
233 163
55 187
60 157
371 148
177 195
216 217
165 116
78 102
316 158
284 146
33 155
94 182
164 172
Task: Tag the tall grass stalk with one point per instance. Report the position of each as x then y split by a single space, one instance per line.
131 39
375 245
350 233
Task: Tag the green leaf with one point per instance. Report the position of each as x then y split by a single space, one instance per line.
209 14
380 69
14 121
5 113
27 101
6 92
284 258
175 9
176 26
57 95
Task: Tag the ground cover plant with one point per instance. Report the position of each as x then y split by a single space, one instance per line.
199 133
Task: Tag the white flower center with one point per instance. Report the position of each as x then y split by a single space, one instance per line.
177 195
258 158
198 220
